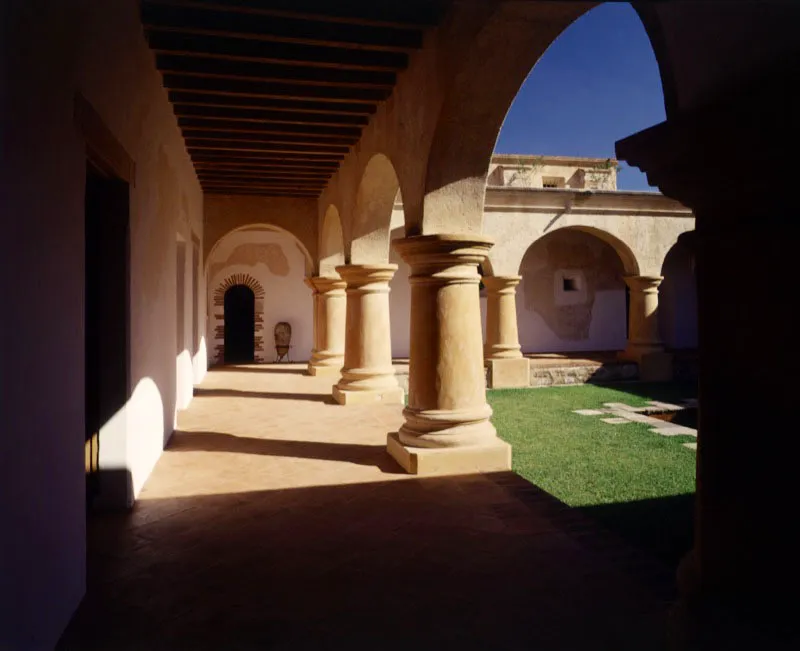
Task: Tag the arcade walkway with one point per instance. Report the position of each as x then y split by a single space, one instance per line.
276 520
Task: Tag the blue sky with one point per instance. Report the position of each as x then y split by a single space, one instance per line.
597 83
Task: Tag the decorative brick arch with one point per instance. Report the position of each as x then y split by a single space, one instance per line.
219 315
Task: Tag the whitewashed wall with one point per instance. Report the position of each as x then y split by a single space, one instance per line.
274 259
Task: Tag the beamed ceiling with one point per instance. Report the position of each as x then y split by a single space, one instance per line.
271 94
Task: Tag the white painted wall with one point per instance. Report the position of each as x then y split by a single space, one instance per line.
274 259
101 52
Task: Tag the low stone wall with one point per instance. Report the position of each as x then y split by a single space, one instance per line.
546 376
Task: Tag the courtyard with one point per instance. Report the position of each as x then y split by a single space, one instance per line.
275 519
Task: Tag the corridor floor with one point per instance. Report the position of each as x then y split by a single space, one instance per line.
276 520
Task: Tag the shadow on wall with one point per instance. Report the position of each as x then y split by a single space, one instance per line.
291 568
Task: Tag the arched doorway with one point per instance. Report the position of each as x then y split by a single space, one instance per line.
240 320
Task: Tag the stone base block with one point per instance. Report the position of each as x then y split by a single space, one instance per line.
450 461
394 396
324 371
508 373
655 367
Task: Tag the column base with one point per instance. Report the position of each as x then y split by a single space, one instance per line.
390 395
655 365
508 373
325 371
493 457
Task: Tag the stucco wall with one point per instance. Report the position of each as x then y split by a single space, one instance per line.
274 260
590 316
55 49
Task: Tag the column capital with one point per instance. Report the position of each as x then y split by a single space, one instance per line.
367 277
644 284
707 158
501 284
444 258
325 284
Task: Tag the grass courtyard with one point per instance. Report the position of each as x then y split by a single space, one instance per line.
637 483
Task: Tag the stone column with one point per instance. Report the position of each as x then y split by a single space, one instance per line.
507 367
368 374
745 559
327 357
644 342
447 428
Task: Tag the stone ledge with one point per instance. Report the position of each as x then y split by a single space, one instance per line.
450 461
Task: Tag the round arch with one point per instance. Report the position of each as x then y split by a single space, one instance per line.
572 293
331 243
479 99
372 216
273 263
258 226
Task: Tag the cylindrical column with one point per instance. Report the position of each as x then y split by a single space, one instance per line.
447 428
368 374
327 356
502 337
643 337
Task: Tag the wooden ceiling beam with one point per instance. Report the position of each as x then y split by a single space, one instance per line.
200 98
276 117
260 193
248 50
320 131
275 90
191 19
415 14
315 152
261 136
262 186
270 72
260 160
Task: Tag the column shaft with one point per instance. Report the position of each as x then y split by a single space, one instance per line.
327 357
368 374
504 361
447 428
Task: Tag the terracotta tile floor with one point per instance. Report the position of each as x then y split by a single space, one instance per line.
275 520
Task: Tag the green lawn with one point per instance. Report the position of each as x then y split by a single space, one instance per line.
635 482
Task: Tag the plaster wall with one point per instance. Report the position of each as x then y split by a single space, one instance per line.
400 292
275 261
51 51
589 316
226 213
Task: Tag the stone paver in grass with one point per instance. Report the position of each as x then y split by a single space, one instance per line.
691 446
619 413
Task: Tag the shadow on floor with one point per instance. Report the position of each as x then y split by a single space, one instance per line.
201 392
367 455
261 368
471 562
663 526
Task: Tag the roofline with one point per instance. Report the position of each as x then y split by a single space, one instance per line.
502 199
563 160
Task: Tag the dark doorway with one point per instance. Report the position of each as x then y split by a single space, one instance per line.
106 318
240 325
